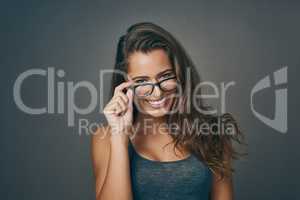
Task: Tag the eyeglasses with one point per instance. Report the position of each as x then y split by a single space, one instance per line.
146 89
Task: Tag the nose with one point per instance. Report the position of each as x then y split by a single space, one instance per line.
157 92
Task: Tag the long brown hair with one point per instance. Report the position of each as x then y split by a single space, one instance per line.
216 150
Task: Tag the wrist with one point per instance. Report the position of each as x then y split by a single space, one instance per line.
117 131
119 139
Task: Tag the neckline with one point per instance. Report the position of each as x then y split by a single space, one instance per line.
158 161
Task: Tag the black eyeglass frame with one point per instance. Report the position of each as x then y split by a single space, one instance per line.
133 87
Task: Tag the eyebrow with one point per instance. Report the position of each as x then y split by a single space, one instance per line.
157 75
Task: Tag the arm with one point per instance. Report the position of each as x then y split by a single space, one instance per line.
111 166
222 190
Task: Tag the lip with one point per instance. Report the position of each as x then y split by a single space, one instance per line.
157 104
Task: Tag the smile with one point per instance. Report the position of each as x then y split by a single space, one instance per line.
157 104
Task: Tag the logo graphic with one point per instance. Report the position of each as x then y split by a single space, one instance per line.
60 92
279 122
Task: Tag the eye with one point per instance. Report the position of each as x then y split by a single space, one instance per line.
168 75
140 81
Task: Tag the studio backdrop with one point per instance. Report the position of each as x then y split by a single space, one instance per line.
54 55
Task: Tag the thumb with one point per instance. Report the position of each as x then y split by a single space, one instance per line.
129 94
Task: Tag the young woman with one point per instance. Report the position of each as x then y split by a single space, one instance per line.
151 148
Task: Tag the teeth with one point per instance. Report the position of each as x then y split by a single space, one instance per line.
157 102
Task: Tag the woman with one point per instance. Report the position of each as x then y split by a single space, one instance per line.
139 154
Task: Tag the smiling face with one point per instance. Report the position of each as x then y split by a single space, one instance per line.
152 67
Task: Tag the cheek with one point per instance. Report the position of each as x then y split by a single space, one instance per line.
140 103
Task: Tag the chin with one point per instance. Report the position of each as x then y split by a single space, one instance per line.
156 113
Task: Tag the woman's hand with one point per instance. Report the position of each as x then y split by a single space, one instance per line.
119 110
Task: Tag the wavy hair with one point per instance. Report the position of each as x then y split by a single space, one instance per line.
215 150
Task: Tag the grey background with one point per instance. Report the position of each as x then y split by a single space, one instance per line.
242 41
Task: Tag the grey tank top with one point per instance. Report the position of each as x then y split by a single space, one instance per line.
185 179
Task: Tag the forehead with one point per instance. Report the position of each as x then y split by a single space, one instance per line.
150 64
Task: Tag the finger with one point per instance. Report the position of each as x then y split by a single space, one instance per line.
109 109
129 94
122 104
122 96
122 86
112 108
118 96
117 109
119 100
